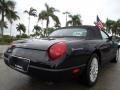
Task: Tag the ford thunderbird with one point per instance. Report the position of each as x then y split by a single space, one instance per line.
67 52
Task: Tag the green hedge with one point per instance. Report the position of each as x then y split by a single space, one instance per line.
22 36
6 39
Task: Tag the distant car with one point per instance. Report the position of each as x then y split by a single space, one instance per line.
116 39
67 52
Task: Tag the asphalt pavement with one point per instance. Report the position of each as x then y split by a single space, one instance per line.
2 49
109 79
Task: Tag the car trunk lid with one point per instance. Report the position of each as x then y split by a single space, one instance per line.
39 44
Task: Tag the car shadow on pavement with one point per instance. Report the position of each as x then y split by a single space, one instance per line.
104 82
107 80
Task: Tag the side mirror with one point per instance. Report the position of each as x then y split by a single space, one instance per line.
110 38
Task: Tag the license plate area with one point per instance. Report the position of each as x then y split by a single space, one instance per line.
19 63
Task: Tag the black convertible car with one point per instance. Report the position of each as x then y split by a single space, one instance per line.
67 52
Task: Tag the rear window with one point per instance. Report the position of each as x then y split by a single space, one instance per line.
69 32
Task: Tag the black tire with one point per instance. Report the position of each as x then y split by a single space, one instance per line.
116 59
87 77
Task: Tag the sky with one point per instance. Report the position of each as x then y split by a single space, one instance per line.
88 9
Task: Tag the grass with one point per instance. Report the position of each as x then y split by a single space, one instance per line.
4 43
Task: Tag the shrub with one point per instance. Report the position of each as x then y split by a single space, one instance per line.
22 36
6 39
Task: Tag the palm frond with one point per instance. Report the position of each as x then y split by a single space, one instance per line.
42 15
47 7
12 16
56 19
32 9
21 27
53 9
75 20
66 12
69 22
26 11
37 28
33 14
10 4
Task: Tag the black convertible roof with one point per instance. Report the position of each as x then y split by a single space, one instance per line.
93 31
81 26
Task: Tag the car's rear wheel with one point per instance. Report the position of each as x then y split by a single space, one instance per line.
92 70
116 59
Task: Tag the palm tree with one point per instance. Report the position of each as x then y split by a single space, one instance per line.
75 20
113 26
31 12
50 30
41 17
46 15
38 30
12 16
66 13
109 25
116 27
5 7
21 28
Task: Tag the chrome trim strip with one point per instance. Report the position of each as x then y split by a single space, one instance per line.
73 49
56 70
20 57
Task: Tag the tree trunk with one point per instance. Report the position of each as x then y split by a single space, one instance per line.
29 26
20 33
2 28
11 29
66 19
47 27
42 23
73 23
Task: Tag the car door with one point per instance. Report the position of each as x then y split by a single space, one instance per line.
106 47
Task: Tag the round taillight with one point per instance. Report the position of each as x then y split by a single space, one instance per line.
10 49
12 46
57 50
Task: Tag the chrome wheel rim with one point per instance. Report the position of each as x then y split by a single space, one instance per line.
117 55
94 69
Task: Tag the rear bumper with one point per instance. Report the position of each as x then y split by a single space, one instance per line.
50 74
55 73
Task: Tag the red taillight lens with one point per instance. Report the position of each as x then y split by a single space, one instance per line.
12 46
57 50
10 49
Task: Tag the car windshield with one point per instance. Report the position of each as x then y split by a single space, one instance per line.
69 32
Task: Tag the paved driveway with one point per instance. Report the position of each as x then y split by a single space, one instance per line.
2 49
109 79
